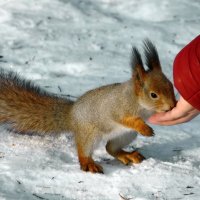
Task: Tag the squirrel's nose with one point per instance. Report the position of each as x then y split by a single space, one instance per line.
168 109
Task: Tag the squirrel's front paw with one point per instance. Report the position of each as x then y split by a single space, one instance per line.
137 124
147 131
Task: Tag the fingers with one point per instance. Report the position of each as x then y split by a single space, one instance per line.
174 114
179 111
183 112
174 122
172 117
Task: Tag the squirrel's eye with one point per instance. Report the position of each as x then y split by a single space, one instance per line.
154 95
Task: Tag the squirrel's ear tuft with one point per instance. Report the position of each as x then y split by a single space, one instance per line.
136 59
151 54
138 71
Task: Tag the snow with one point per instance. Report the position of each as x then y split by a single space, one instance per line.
69 47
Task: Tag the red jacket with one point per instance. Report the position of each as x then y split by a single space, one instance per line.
187 72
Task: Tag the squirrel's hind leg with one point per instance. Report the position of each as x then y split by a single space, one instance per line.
85 146
114 148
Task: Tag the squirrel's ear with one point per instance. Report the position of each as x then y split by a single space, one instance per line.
151 54
138 71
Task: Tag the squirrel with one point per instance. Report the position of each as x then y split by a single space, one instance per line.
115 113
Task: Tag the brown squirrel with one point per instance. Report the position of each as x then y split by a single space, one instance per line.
113 112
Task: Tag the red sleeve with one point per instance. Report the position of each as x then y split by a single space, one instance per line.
187 72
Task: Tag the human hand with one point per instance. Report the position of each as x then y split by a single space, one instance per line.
182 112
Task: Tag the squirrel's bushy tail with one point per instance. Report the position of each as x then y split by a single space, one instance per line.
25 107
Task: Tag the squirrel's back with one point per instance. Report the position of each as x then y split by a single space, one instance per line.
25 107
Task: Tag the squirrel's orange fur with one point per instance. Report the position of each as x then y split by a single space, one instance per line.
113 112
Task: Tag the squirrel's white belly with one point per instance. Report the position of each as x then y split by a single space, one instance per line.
145 114
118 131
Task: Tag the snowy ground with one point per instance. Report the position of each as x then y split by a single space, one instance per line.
69 47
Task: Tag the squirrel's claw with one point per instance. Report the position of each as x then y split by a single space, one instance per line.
147 131
92 167
130 157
